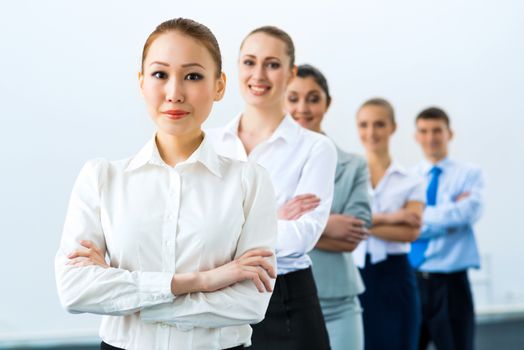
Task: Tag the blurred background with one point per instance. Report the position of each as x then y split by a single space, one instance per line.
69 93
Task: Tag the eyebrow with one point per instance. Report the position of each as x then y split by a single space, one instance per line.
183 66
160 63
310 92
193 65
266 58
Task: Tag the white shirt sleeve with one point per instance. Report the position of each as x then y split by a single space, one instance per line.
95 289
297 237
240 303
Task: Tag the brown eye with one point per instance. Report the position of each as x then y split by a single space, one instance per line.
194 76
313 98
159 75
292 99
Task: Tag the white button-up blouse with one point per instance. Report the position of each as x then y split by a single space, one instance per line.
155 220
298 161
393 191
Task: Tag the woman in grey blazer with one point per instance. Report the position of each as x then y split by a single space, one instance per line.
337 278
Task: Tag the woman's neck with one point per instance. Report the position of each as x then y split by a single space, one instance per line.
378 163
262 120
258 124
175 149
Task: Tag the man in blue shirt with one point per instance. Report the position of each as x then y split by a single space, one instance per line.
446 248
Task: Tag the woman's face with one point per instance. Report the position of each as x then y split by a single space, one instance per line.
375 127
264 70
179 84
306 102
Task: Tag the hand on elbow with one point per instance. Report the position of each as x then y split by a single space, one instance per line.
92 255
346 228
253 265
406 217
298 206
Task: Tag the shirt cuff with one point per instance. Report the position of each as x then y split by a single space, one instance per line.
156 286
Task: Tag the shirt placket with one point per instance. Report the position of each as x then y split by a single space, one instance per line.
169 240
171 217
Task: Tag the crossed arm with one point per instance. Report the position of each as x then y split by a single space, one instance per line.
400 226
343 231
461 211
224 296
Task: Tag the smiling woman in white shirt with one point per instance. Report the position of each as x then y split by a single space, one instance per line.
390 302
301 164
189 235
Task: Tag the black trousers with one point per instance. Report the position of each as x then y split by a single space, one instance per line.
448 318
391 304
105 346
294 319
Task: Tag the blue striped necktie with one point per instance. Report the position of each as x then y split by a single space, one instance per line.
418 248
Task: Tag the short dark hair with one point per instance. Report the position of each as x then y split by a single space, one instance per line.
434 113
381 102
307 70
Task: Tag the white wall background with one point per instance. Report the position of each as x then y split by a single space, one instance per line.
68 93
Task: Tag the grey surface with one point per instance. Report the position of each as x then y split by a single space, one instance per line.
503 335
507 335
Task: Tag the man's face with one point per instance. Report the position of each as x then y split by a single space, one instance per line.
433 135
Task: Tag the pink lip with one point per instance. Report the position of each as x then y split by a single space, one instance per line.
175 114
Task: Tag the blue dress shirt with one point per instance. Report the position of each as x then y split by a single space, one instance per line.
449 224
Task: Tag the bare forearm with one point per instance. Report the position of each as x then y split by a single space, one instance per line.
335 245
381 219
183 283
396 233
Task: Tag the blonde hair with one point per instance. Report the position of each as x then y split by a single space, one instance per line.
279 34
380 102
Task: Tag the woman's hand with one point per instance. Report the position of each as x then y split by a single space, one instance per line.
253 266
404 216
298 206
346 227
90 256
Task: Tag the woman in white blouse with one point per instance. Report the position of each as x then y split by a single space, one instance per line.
188 234
391 305
301 164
